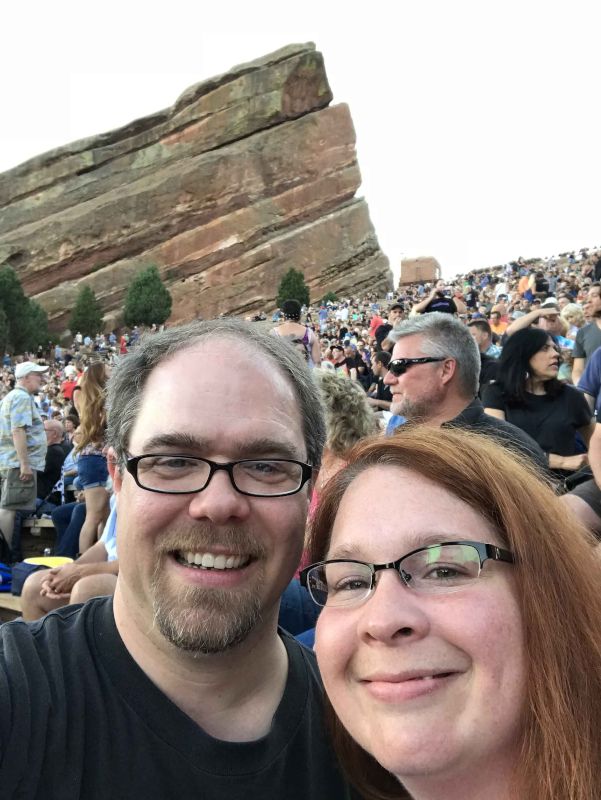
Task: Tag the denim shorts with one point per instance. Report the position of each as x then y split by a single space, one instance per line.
92 471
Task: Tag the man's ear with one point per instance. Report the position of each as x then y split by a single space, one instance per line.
114 470
449 369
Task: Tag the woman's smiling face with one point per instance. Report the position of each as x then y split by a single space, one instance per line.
432 685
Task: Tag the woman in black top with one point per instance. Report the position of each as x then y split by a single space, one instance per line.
528 394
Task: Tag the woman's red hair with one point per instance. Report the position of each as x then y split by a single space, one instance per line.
558 576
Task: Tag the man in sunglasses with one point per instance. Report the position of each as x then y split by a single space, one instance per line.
434 379
182 685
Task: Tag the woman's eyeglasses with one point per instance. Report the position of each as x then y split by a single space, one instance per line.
437 569
399 366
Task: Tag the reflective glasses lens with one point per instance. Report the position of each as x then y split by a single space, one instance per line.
397 367
441 568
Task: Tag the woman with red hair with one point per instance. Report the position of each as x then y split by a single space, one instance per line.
460 636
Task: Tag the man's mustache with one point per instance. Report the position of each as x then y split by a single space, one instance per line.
203 536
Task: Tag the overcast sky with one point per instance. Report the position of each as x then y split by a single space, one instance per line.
477 123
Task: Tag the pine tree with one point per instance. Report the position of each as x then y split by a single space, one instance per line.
147 300
36 326
86 316
3 332
293 287
25 321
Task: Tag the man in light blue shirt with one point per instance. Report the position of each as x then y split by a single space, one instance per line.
23 446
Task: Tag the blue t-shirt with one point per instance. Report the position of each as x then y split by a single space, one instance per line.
590 381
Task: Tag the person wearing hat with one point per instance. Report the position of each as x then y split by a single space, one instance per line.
22 445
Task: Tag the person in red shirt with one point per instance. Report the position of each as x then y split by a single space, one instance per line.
374 324
67 387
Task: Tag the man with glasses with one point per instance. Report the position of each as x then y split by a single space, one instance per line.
434 379
182 684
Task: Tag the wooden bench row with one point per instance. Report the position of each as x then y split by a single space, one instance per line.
36 526
40 529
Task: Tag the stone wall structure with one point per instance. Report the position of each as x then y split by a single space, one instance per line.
246 175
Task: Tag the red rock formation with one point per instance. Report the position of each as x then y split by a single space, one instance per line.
419 270
246 175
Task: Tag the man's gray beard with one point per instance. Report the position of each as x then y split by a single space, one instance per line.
413 410
200 620
204 621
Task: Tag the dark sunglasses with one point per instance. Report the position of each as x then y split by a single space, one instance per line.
399 366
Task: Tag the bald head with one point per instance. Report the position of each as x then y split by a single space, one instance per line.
54 431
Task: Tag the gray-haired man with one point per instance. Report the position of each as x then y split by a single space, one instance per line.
434 379
182 686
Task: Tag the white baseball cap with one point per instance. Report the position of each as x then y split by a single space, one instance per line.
22 370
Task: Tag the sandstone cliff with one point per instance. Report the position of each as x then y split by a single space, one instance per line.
246 175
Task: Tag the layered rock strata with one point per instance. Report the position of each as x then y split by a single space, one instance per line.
246 175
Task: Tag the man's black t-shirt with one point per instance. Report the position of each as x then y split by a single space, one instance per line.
489 367
80 719
55 455
355 362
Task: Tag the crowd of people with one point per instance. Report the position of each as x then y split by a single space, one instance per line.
446 434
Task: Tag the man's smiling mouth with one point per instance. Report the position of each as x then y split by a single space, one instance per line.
205 560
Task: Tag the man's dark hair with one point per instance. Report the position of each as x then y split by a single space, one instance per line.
382 357
128 379
481 324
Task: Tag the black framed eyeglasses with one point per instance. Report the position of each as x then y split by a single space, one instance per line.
170 473
439 568
399 366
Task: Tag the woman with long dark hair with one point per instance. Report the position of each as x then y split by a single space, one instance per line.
92 470
528 394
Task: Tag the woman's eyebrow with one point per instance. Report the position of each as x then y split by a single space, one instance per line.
356 552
